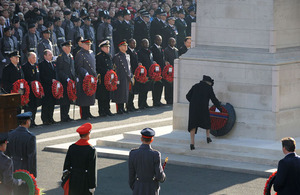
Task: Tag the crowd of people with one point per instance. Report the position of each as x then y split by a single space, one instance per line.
50 41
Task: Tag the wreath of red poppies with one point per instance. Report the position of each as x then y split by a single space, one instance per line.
71 89
22 84
111 80
140 74
57 90
155 72
269 184
168 73
37 191
37 89
89 85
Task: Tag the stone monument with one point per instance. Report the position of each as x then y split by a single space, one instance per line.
252 50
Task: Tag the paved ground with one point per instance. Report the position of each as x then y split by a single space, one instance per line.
113 173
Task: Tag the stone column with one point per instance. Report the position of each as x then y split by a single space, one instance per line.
252 50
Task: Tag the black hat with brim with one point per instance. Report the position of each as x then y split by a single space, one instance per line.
14 53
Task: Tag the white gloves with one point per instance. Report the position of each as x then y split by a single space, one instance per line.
86 74
68 79
77 79
20 181
92 190
4 60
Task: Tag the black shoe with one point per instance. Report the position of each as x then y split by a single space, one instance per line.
119 111
208 140
53 121
108 112
47 123
85 118
192 147
124 111
147 106
141 107
91 116
130 109
103 114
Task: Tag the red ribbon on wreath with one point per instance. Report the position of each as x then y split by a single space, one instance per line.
71 89
37 89
155 72
140 74
37 190
89 85
57 90
111 80
22 84
269 183
168 73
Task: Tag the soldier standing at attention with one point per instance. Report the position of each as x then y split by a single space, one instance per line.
141 29
65 72
85 64
76 31
30 41
60 33
81 162
181 27
103 64
122 68
44 44
145 170
105 32
68 25
89 32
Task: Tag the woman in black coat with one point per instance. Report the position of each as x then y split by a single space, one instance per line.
199 96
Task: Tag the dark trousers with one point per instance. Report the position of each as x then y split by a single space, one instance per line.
85 112
169 92
120 107
103 100
48 104
156 92
33 109
142 101
130 103
64 112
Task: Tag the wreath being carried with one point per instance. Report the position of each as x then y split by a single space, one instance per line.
37 89
168 73
21 84
57 90
71 89
29 179
269 183
111 80
155 72
89 85
140 74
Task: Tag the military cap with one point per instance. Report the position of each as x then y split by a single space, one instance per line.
141 10
148 133
145 14
159 11
192 8
88 18
36 9
48 24
24 116
163 13
207 78
31 25
171 18
14 53
46 31
76 19
39 18
123 42
87 41
6 29
56 19
83 12
67 12
180 11
3 137
67 43
106 17
104 43
84 129
119 13
101 13
16 20
126 12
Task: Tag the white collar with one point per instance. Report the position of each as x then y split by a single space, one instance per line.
157 46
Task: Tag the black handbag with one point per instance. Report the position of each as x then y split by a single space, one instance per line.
65 177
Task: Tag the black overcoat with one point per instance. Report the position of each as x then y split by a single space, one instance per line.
141 31
146 58
65 70
145 170
47 74
22 149
134 64
199 96
81 161
11 74
181 28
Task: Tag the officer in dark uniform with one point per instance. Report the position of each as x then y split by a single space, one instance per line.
32 73
68 25
89 32
145 169
12 72
158 24
127 26
191 17
159 58
134 64
169 31
65 72
22 148
60 32
85 64
103 64
30 41
76 49
77 31
18 32
181 27
105 32
117 36
7 182
47 76
141 29
122 68
40 25
146 58
49 25
171 53
81 162
44 44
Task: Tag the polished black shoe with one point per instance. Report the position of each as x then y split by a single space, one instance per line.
192 147
208 140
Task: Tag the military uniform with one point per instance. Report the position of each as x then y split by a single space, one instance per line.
155 29
182 50
169 31
29 43
11 74
170 55
145 170
103 64
47 74
117 36
89 33
76 32
181 27
60 35
159 58
53 40
65 71
68 26
141 31
189 19
32 73
84 63
127 30
44 44
6 46
105 31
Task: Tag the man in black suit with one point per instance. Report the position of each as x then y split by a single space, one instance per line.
287 179
65 72
47 76
31 73
159 58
